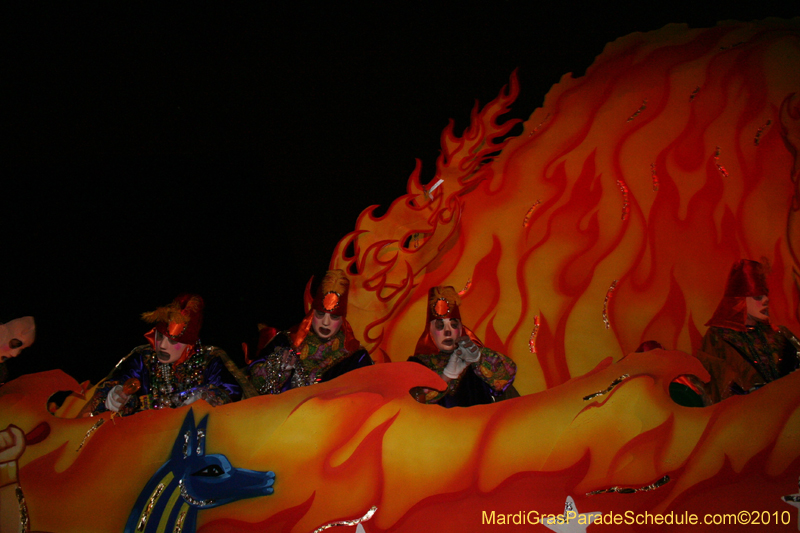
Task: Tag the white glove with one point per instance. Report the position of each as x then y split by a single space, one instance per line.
455 366
190 399
116 399
468 350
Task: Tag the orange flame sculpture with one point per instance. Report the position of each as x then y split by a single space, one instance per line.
597 436
361 441
591 159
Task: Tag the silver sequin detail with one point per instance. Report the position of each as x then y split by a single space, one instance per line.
192 501
354 522
200 436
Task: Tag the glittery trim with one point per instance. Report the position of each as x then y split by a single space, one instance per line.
720 167
354 522
192 501
24 519
760 131
466 288
186 437
527 220
638 111
179 522
169 380
89 433
614 383
534 334
626 208
275 374
654 176
148 509
300 377
200 436
630 490
539 125
609 292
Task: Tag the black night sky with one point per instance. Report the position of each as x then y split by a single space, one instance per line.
225 148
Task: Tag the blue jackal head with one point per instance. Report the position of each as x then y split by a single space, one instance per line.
191 480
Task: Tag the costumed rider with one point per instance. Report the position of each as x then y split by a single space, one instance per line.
474 374
741 350
15 336
173 370
320 348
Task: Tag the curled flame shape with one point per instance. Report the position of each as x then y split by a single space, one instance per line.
678 235
360 441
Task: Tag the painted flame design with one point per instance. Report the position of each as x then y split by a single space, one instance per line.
673 248
361 441
343 447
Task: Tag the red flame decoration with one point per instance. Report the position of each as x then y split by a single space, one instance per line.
670 253
372 445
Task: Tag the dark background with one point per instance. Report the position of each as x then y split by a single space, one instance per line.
226 148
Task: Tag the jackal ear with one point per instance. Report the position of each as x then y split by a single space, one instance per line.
185 442
201 436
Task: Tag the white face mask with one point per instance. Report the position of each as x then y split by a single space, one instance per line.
15 336
325 325
757 308
445 332
168 350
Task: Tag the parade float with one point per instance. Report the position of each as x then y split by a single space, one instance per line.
609 217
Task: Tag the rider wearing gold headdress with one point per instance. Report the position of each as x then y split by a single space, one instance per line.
318 349
474 374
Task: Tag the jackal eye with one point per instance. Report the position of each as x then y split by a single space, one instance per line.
210 471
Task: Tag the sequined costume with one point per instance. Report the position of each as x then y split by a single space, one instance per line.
481 379
317 361
321 347
742 351
740 361
202 374
486 381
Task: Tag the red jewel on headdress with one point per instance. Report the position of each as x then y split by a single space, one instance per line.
176 329
441 307
330 301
